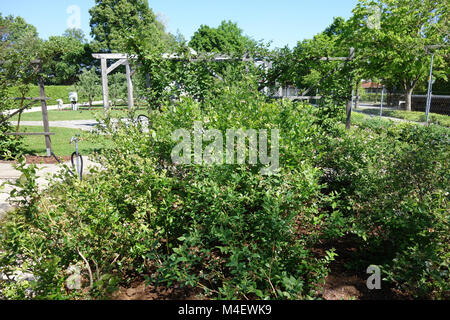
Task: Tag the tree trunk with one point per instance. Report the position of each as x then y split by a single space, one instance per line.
349 114
409 92
357 96
20 114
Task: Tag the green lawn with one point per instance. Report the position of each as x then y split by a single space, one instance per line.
35 145
440 119
56 115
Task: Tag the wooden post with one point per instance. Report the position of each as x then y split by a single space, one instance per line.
130 86
358 83
105 84
48 141
349 105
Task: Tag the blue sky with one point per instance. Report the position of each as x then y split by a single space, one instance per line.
283 21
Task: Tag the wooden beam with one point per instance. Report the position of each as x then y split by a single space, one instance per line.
48 141
17 112
110 56
105 84
115 65
129 86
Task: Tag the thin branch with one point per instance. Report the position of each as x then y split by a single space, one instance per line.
91 281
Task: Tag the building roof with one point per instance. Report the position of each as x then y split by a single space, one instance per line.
371 85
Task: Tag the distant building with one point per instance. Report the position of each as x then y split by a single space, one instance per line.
372 87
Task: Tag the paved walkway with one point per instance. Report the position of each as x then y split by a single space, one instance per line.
45 173
38 109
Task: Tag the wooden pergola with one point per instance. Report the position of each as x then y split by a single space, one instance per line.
122 59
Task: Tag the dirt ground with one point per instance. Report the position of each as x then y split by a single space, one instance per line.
41 160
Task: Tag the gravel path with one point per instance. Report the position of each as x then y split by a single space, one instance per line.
85 125
38 109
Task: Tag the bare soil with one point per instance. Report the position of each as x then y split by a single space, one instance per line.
40 160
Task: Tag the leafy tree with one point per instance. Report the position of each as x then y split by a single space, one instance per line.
19 46
65 56
227 38
118 88
396 48
304 67
88 85
113 21
76 34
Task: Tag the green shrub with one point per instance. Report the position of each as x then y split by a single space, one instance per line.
9 145
393 180
226 230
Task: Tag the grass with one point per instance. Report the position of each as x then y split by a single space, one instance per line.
435 118
66 115
35 145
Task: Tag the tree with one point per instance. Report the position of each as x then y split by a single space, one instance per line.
19 46
118 88
62 58
75 34
113 21
228 38
395 47
88 85
66 56
304 68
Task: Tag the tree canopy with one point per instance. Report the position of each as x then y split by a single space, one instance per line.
112 21
396 48
226 38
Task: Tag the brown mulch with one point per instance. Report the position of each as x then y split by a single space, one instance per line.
342 284
139 290
40 160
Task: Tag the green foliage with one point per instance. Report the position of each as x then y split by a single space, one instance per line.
118 88
19 45
64 57
88 85
396 48
226 230
228 38
393 185
304 68
9 146
113 21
